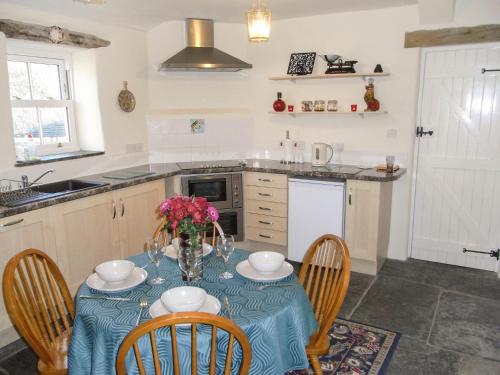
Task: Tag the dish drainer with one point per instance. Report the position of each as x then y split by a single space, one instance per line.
13 193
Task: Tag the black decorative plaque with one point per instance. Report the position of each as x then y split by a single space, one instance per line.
301 63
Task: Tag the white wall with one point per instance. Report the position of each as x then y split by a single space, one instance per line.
370 37
124 59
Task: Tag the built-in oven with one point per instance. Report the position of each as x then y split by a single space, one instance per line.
225 192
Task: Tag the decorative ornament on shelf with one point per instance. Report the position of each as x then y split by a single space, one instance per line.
279 105
378 69
258 22
337 65
301 63
372 104
94 2
126 99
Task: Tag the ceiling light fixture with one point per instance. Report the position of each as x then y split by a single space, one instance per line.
258 22
97 2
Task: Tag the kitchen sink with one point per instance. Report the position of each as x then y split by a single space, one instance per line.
68 186
39 193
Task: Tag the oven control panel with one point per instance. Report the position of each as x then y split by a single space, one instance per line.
237 188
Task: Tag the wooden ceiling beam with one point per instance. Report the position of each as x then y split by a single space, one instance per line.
452 36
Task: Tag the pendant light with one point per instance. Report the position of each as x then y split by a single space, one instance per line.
258 22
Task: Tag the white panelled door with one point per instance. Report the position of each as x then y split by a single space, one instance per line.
457 189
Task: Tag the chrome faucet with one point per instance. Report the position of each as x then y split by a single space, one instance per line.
27 184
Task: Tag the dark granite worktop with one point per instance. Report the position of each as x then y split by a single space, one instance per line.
163 170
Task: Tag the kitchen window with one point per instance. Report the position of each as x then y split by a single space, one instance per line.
42 107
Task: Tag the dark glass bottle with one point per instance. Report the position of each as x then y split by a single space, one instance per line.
279 105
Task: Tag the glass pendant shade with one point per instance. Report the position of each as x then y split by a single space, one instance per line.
259 23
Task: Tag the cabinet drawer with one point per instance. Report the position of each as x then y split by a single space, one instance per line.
267 222
268 236
267 180
267 194
267 208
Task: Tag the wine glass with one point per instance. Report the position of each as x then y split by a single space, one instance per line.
154 249
225 245
188 262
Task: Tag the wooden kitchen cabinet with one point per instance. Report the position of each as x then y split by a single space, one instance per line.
87 234
19 232
103 227
367 223
266 208
137 215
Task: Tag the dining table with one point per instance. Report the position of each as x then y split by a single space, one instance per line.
277 320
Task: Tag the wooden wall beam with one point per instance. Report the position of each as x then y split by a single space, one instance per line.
451 36
50 34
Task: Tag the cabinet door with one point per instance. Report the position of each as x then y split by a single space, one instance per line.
361 219
138 215
86 235
17 233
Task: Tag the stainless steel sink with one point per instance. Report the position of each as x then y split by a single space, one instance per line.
68 186
39 193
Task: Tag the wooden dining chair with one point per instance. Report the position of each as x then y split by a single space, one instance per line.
40 306
193 318
325 274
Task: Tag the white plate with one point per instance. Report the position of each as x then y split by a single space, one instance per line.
139 275
246 270
171 252
212 305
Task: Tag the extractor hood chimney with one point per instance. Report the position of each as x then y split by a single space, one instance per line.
200 54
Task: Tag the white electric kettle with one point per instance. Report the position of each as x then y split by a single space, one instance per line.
320 154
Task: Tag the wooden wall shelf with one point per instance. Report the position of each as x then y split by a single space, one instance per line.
326 113
327 76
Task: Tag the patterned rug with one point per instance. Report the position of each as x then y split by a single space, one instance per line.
356 349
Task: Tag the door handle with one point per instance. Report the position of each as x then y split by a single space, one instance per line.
265 208
265 236
11 223
123 206
265 194
114 209
421 132
266 222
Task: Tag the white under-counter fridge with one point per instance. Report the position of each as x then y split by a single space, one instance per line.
315 207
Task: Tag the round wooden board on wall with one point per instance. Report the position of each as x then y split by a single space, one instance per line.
126 99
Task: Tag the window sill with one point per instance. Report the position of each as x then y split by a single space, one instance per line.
59 157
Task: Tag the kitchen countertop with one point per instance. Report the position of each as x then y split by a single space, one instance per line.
163 170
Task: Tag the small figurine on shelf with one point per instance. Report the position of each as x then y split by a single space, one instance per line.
372 104
378 69
279 105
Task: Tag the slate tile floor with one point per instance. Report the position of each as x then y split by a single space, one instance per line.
449 318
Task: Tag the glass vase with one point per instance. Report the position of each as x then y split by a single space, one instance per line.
191 251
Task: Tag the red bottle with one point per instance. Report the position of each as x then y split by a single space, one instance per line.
279 105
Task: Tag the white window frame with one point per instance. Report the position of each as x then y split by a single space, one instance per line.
63 60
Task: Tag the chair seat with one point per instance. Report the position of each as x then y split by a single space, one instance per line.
60 355
318 346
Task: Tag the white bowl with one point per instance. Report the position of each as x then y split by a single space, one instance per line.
115 271
266 261
183 298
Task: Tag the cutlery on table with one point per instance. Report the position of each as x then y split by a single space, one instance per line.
228 307
106 298
262 287
143 303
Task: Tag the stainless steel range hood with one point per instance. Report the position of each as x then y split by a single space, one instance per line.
200 54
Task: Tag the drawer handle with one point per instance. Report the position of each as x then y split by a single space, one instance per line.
265 180
11 223
265 208
266 222
265 236
265 194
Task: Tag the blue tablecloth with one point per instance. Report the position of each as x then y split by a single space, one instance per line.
277 321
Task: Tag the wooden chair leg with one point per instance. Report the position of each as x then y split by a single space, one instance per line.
315 365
